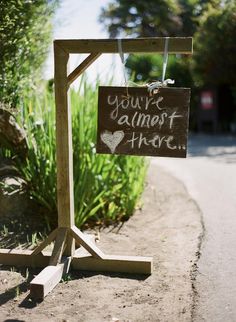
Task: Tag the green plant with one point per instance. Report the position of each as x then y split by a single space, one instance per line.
214 56
106 187
33 239
39 169
5 231
154 18
24 45
66 278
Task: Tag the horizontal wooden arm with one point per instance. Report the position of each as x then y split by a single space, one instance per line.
178 45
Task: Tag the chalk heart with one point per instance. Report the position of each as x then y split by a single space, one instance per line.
112 140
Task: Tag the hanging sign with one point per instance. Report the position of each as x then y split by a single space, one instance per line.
131 121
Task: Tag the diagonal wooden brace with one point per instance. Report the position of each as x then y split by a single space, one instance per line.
86 242
59 246
51 237
82 67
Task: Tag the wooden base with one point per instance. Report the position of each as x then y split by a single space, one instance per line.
49 277
88 257
111 263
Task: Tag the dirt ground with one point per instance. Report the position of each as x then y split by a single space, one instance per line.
168 228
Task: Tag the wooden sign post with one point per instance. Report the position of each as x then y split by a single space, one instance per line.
135 137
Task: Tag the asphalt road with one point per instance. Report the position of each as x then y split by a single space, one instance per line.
209 174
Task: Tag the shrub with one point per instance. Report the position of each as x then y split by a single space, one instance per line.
106 187
25 34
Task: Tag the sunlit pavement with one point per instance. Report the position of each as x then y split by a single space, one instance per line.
209 174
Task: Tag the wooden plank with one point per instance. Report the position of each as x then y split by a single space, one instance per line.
143 124
51 237
86 243
113 263
180 45
92 238
82 67
81 261
64 154
47 279
23 258
59 246
63 141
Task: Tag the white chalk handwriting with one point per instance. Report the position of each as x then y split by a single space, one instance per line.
139 140
142 121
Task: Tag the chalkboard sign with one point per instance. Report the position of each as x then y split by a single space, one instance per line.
132 121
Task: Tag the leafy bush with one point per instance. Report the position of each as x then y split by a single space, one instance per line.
106 187
215 48
25 34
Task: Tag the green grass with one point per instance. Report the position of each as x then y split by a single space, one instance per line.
106 187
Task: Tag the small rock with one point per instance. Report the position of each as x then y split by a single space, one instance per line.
11 134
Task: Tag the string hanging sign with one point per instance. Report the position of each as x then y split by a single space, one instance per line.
151 120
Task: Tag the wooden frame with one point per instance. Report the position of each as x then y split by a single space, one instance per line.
64 255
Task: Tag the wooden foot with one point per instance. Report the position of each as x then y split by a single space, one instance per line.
86 242
47 279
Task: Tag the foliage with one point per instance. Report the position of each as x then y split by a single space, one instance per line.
141 18
25 32
154 18
191 12
215 48
106 188
39 171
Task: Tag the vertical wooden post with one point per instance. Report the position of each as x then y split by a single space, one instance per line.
64 152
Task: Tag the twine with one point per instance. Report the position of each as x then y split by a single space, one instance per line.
154 86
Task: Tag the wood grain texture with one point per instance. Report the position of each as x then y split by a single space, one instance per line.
64 152
181 45
47 279
81 261
59 246
114 263
86 242
51 237
23 258
143 124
